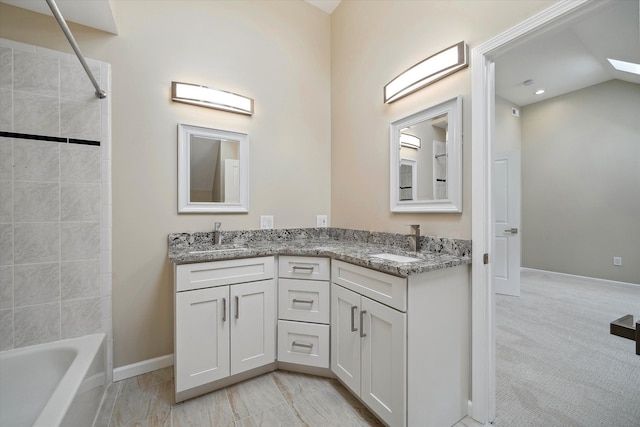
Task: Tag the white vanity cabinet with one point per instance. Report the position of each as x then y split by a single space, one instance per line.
403 344
369 340
303 310
225 324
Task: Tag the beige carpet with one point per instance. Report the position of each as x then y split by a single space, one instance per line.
557 364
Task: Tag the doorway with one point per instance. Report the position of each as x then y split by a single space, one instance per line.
483 216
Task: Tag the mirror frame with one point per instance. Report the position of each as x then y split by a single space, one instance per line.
185 205
453 203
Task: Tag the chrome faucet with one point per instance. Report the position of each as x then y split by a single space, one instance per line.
217 235
414 239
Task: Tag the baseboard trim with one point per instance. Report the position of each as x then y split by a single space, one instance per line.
591 279
139 368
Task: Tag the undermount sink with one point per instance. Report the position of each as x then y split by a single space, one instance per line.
219 250
396 258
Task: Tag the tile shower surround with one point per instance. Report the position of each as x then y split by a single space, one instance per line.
55 198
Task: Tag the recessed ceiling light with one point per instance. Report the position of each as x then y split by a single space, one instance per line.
628 67
539 92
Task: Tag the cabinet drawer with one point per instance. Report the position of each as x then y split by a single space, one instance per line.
299 267
303 343
304 300
384 288
217 273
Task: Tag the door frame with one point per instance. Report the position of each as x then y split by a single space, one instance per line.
483 359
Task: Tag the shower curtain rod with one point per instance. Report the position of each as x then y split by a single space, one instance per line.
65 29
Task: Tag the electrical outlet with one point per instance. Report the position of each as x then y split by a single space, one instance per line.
321 221
617 260
266 222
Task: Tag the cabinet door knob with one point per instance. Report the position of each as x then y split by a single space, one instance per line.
305 301
301 267
237 307
353 320
224 309
362 334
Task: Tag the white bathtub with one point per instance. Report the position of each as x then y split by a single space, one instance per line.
55 384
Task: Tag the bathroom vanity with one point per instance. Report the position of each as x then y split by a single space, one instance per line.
399 342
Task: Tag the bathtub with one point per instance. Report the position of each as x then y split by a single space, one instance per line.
55 384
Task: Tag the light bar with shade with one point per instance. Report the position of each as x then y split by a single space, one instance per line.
211 98
428 71
410 141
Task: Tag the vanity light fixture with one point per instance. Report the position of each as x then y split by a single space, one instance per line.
428 71
211 98
410 141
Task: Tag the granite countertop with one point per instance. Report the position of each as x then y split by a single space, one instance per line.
353 246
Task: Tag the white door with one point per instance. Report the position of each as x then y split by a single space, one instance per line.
253 325
384 361
506 199
345 336
202 337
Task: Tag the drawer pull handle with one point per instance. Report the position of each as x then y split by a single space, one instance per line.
353 320
224 309
362 334
301 267
301 344
237 307
302 301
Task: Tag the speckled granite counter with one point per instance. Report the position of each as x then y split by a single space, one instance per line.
353 246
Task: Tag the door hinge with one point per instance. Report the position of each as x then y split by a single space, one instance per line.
485 258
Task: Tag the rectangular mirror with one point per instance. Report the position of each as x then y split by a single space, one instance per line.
213 170
426 160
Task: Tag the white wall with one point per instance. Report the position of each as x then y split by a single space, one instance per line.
581 182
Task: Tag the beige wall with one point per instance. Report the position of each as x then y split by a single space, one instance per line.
277 52
581 182
371 43
319 137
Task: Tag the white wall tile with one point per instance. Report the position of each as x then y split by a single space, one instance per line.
74 82
79 202
6 244
80 120
80 317
36 324
36 284
6 202
36 201
80 279
6 68
6 329
79 240
36 114
36 243
80 163
36 161
6 158
6 287
106 284
6 110
35 73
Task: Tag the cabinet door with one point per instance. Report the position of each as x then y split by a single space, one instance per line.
253 325
345 336
384 361
202 337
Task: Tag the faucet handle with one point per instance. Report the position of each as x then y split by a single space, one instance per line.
217 225
415 227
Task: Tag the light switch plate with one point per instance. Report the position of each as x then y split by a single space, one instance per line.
617 260
321 221
266 222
